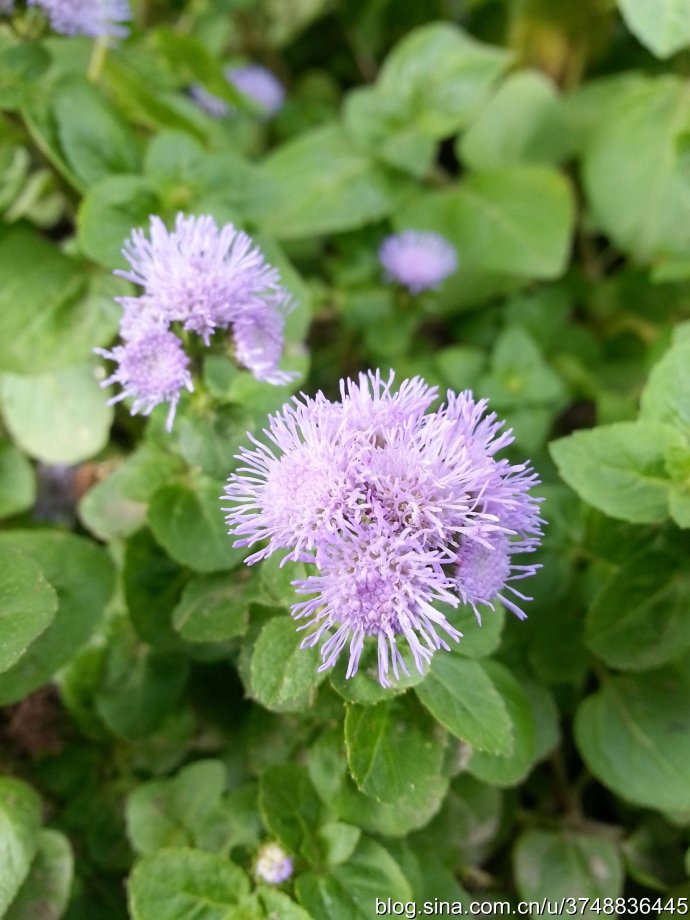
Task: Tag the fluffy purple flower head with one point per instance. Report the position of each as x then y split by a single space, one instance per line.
418 259
260 85
152 369
397 508
87 17
273 865
207 277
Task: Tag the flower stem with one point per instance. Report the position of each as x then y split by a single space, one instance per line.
98 56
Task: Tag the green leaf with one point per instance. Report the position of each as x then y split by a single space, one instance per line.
385 126
460 365
478 640
666 396
116 507
96 142
283 675
109 212
140 686
641 202
633 735
190 59
213 608
663 27
507 225
508 770
275 586
82 574
152 583
545 716
330 775
460 695
679 506
188 522
520 376
17 481
514 220
392 748
290 808
619 468
209 439
27 604
178 883
441 75
639 618
521 123
511 233
184 173
21 64
321 183
555 865
653 854
339 841
61 417
46 889
191 809
38 118
468 827
174 812
279 905
350 889
70 311
431 84
20 820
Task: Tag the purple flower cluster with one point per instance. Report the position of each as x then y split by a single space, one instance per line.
87 17
256 82
398 508
417 259
201 278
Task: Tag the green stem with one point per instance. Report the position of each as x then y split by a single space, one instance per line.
98 56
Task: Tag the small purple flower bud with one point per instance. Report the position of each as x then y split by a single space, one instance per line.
273 865
418 260
260 85
254 81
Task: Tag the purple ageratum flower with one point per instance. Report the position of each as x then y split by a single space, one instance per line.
258 334
208 277
397 507
260 85
152 369
418 259
273 865
254 81
87 17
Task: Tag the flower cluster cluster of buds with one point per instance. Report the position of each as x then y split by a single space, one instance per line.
200 278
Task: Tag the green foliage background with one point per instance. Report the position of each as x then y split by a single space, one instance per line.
159 721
